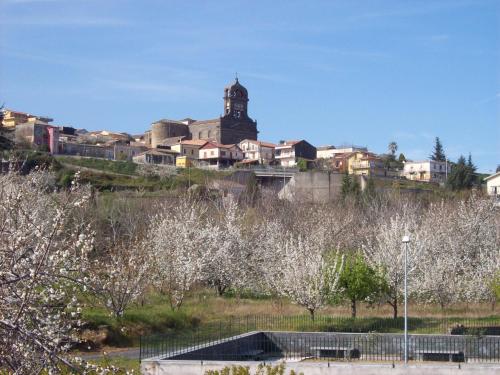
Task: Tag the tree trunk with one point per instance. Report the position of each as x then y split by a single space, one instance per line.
353 307
311 311
220 289
394 304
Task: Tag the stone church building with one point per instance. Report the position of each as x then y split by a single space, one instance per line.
233 127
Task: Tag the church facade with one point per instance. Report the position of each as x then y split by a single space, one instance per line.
231 128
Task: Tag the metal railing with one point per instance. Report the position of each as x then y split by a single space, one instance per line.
267 346
457 331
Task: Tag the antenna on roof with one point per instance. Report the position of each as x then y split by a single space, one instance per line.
236 76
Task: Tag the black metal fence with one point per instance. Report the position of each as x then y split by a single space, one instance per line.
472 339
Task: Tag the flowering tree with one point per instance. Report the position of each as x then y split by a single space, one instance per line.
121 261
460 254
225 259
177 239
120 276
43 252
299 268
385 252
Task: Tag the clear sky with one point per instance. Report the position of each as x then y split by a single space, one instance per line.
331 72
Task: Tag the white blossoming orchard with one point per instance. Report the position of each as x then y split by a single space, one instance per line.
43 252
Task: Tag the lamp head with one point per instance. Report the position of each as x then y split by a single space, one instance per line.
406 239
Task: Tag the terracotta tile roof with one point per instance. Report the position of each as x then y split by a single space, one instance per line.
194 142
261 143
218 145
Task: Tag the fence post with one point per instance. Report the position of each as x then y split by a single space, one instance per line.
140 348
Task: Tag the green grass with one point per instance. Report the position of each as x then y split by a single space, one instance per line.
191 176
123 175
205 315
138 321
121 167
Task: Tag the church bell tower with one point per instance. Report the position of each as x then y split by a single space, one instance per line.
236 101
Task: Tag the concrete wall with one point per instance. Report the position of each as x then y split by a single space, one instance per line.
158 367
313 186
372 345
236 348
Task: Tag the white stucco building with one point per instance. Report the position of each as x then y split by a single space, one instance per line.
493 184
427 170
328 152
263 152
215 155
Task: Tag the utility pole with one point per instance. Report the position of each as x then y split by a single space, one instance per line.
406 240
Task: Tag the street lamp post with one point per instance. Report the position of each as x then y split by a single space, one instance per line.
406 241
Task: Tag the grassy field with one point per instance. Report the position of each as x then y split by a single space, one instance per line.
121 167
204 313
205 316
109 175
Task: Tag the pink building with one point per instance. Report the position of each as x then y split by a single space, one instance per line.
38 135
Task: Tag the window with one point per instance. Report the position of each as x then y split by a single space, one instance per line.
223 153
212 153
205 154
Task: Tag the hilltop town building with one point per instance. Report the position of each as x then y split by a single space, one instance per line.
288 153
215 155
427 170
258 151
13 118
493 185
328 152
189 148
231 128
39 135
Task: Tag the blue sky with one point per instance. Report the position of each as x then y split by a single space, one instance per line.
331 72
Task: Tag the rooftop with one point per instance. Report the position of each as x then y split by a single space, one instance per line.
260 143
194 142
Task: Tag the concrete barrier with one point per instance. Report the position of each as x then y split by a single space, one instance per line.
169 367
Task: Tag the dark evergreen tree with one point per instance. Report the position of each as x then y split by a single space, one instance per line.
471 168
498 168
402 158
438 153
350 186
346 185
462 174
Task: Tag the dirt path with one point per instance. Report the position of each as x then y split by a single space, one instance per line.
131 353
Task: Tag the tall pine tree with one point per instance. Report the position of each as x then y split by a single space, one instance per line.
462 174
438 153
